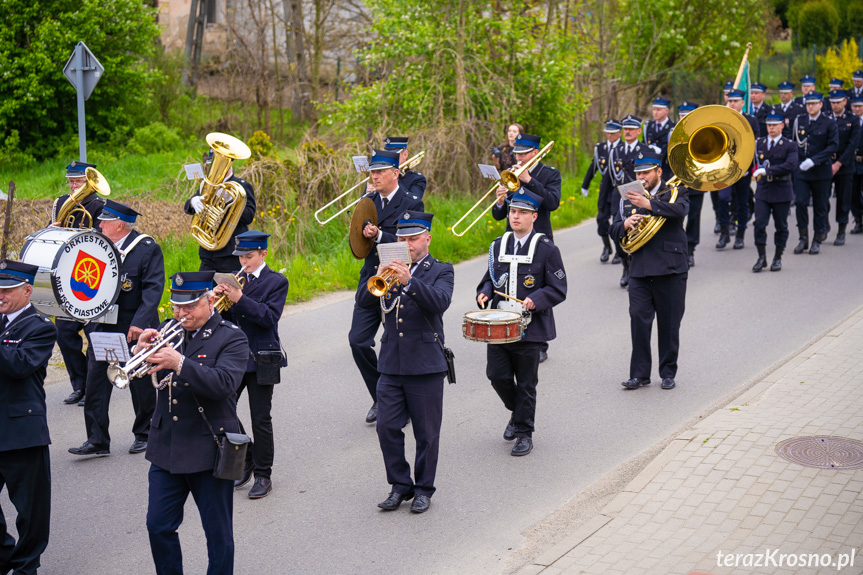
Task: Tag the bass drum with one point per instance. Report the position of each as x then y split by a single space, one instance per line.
79 274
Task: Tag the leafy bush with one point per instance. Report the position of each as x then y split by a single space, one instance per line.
839 63
260 144
157 137
11 156
817 22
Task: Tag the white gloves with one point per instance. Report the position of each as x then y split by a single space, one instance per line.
759 172
806 164
656 149
585 192
197 204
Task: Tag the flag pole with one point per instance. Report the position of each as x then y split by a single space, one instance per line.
742 65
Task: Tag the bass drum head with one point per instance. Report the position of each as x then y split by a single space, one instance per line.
492 315
79 272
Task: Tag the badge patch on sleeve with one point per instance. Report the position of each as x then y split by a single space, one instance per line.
559 274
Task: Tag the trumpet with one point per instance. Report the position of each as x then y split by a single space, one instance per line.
378 286
409 164
223 303
509 180
138 366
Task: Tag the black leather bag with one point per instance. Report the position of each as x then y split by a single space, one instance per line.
268 364
230 450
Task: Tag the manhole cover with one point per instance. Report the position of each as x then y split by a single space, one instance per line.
823 452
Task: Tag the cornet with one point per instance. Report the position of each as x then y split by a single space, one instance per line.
138 366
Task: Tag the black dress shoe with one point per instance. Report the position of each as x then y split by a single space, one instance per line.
738 243
802 246
523 446
635 383
760 263
74 397
624 279
138 446
815 248
543 356
420 504
89 449
858 228
394 500
606 252
372 415
840 239
261 488
509 432
81 403
247 475
717 228
615 259
724 238
668 383
776 266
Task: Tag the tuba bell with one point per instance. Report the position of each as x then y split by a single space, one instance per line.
65 216
224 202
710 149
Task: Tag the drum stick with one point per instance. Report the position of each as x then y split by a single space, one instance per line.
515 299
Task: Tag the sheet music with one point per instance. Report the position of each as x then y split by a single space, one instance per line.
230 279
361 163
109 346
194 171
393 251
488 171
634 186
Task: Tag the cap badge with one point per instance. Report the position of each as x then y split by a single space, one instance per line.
179 281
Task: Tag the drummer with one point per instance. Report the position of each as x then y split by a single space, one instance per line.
527 266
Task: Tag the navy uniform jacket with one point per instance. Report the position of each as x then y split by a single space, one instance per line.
388 219
622 167
25 348
246 218
848 129
180 441
655 136
546 183
545 277
760 116
408 345
258 313
599 165
753 123
776 185
92 203
790 113
817 141
858 158
414 182
666 252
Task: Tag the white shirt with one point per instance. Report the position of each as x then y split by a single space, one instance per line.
388 198
257 272
10 317
773 141
655 189
119 242
518 241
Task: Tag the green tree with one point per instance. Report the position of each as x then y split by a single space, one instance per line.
36 40
817 22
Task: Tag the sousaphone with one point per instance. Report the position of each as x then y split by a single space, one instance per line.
708 150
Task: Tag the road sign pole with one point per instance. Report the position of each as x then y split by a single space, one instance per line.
82 129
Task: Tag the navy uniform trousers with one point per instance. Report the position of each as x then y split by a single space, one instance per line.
215 501
693 219
734 204
72 349
819 192
419 397
260 455
662 297
780 222
27 475
521 360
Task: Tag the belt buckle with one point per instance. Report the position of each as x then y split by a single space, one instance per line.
769 178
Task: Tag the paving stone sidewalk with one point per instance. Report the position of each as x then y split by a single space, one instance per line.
720 487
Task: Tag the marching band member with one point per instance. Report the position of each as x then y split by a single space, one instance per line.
734 200
223 260
257 308
857 191
835 85
848 133
541 179
855 91
807 86
726 89
412 364
25 466
197 380
414 182
759 109
528 266
657 131
69 332
776 160
391 200
141 285
696 201
657 285
600 165
622 170
817 140
788 108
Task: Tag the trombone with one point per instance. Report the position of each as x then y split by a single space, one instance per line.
508 179
409 164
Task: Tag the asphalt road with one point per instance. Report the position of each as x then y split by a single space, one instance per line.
322 517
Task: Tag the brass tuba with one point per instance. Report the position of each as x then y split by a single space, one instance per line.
65 216
223 201
709 149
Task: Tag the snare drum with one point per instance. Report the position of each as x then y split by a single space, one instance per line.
493 326
79 274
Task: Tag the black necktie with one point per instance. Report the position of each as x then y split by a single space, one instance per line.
384 202
3 321
769 145
249 278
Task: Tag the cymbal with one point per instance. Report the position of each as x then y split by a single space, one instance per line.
361 246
